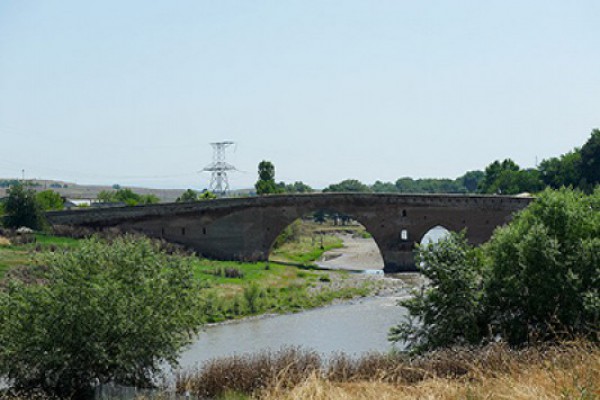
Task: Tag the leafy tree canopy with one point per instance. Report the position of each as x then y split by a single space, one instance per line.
384 187
207 195
49 200
266 179
590 160
188 196
507 177
22 209
348 185
127 196
562 171
298 187
266 171
538 277
471 180
108 312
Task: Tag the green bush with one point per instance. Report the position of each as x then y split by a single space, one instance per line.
49 200
544 274
448 311
538 278
22 209
109 312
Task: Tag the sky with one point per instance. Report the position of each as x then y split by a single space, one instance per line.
132 92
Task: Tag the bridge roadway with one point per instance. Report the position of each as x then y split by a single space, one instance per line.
245 228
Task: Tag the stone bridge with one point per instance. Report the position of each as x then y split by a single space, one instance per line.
245 228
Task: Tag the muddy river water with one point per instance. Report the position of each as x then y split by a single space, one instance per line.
352 327
355 327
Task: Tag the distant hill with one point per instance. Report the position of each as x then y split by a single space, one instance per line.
75 191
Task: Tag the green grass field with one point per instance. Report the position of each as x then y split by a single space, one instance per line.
235 289
22 255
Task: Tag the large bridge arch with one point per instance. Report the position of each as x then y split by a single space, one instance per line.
279 224
245 228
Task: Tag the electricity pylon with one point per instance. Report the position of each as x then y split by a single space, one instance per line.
219 184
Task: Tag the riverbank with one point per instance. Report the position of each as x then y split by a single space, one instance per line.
358 253
561 370
230 290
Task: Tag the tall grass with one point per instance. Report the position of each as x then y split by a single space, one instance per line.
564 371
247 374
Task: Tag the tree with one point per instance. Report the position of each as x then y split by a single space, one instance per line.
562 171
49 200
22 209
106 196
545 268
207 195
266 179
319 216
590 160
493 171
348 185
109 312
384 187
298 187
538 277
127 196
471 179
449 311
507 177
429 185
149 199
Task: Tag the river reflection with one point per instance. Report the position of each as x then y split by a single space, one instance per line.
353 328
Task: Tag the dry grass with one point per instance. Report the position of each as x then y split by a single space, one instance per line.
249 373
569 371
566 371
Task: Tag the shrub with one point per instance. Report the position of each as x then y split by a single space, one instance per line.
49 200
448 311
538 278
545 268
107 313
252 295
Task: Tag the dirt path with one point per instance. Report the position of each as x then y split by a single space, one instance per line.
358 254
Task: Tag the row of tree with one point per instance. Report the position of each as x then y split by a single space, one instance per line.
579 168
266 182
25 207
127 196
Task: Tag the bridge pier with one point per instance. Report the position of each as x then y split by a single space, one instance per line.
398 261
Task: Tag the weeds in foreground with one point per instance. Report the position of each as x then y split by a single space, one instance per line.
565 371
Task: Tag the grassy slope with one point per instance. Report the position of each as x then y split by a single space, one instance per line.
305 250
308 241
260 288
12 256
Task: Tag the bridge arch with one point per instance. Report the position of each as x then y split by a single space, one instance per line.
331 226
451 226
434 234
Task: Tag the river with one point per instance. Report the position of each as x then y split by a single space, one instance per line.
353 327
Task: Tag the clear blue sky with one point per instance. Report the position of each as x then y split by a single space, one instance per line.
132 92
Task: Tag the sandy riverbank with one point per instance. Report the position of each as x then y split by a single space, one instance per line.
358 254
